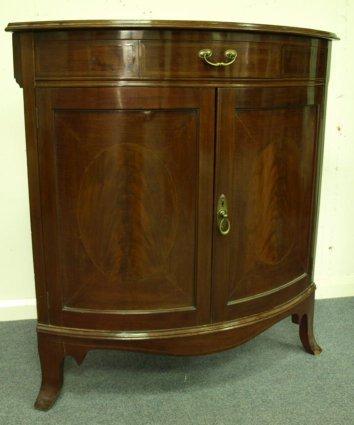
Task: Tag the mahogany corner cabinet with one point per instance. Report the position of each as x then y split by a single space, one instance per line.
174 171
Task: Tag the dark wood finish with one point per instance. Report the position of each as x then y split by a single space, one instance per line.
51 355
255 59
107 58
24 53
304 318
182 342
125 173
131 139
298 60
263 60
316 189
178 35
296 306
266 142
121 55
166 24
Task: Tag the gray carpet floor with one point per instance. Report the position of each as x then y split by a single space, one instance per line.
269 380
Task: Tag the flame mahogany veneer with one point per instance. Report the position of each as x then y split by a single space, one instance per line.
131 139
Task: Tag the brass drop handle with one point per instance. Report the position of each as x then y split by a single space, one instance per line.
230 54
222 216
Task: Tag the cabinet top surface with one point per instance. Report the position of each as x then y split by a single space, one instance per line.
159 24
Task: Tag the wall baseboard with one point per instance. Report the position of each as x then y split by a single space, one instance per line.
335 287
22 309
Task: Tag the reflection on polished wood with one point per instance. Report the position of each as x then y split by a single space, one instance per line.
166 24
173 203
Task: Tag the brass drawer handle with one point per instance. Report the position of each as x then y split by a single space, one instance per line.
222 216
230 54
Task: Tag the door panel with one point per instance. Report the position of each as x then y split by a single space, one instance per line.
265 166
131 186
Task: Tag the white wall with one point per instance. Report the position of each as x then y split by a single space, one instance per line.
335 252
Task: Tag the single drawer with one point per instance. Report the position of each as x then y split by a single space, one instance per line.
182 60
158 59
86 58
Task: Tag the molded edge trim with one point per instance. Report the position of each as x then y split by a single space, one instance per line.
104 82
174 333
167 24
269 292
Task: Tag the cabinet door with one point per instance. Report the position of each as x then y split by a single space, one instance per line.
265 167
127 193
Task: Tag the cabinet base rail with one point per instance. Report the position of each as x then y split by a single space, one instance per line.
55 342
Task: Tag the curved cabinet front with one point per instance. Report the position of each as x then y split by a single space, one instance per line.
173 176
266 144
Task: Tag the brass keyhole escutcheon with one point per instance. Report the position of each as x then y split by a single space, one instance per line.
223 221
